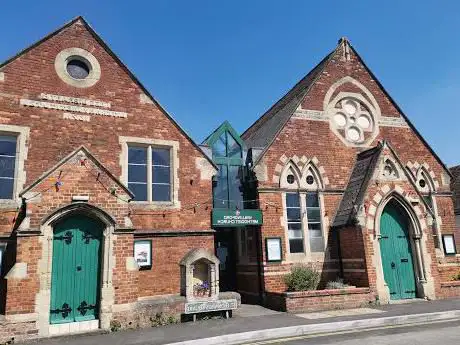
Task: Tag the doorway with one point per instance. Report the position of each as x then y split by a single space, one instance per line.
76 270
226 251
396 252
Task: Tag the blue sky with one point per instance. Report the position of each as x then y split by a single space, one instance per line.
207 61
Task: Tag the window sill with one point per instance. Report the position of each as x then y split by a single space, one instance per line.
9 204
154 205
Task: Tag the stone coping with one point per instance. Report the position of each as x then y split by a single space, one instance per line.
453 283
328 292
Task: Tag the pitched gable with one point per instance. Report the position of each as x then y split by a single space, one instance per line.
342 72
40 57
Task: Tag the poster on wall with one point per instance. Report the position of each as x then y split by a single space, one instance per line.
449 244
143 253
273 249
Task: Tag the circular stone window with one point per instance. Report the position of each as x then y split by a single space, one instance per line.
77 67
290 179
310 180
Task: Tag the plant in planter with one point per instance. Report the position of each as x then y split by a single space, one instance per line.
337 284
201 289
302 278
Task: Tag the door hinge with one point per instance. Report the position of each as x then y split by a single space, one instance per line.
84 307
65 310
67 237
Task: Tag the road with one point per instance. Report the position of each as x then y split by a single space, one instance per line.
427 334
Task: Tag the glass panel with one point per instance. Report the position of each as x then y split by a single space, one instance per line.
137 173
7 166
292 200
160 157
6 188
314 227
428 200
137 155
7 145
220 190
161 192
293 214
139 190
317 244
296 246
234 149
312 200
161 174
313 214
235 186
219 148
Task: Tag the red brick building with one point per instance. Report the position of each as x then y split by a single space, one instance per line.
106 203
348 185
79 137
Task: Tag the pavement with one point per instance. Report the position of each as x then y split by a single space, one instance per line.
254 324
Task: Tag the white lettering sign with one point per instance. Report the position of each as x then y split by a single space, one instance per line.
206 306
72 108
80 101
70 116
238 220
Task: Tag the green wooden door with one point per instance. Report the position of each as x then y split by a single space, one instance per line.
76 270
396 252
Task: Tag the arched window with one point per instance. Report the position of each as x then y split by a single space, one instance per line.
426 186
227 152
303 208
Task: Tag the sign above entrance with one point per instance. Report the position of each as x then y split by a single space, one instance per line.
236 218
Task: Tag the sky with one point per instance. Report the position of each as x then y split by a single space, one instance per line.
215 60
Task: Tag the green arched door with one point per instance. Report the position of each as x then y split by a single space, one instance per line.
396 252
76 270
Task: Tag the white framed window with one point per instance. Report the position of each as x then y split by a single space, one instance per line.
303 209
8 149
150 170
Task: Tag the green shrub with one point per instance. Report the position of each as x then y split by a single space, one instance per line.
161 319
302 278
336 284
115 325
456 276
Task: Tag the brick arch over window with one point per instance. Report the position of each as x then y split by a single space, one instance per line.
418 170
302 164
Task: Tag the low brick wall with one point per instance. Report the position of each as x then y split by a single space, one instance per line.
450 289
305 301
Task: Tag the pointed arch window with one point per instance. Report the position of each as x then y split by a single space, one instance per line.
227 152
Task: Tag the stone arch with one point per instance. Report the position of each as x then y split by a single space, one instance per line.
107 292
417 234
300 164
348 79
417 170
310 169
290 168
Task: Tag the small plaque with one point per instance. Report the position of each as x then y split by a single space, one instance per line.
449 244
273 249
143 253
207 306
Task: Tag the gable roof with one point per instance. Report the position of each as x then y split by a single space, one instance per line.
89 155
119 62
361 175
455 186
263 132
